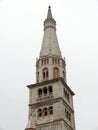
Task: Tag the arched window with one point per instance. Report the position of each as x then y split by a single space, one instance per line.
45 112
55 72
45 91
45 74
40 92
50 89
39 112
51 110
69 117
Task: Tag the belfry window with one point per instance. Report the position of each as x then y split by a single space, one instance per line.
40 92
45 112
55 72
45 74
39 112
45 91
50 89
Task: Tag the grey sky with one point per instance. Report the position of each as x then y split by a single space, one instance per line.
21 32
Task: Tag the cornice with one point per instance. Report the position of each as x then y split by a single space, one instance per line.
52 81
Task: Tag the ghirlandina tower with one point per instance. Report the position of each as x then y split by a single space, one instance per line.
50 98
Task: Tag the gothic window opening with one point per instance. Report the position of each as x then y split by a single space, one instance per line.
40 113
45 112
55 72
45 74
45 91
50 89
51 110
40 92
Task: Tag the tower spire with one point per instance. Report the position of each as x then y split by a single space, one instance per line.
50 44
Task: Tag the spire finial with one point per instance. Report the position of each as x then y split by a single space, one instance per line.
49 15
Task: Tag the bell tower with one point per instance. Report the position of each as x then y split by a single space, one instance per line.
50 98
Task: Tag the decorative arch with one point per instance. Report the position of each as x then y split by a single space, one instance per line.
55 72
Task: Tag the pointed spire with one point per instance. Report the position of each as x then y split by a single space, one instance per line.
50 44
31 124
49 15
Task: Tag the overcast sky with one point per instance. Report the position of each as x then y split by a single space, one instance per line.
21 32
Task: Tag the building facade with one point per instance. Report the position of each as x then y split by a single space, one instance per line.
50 98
